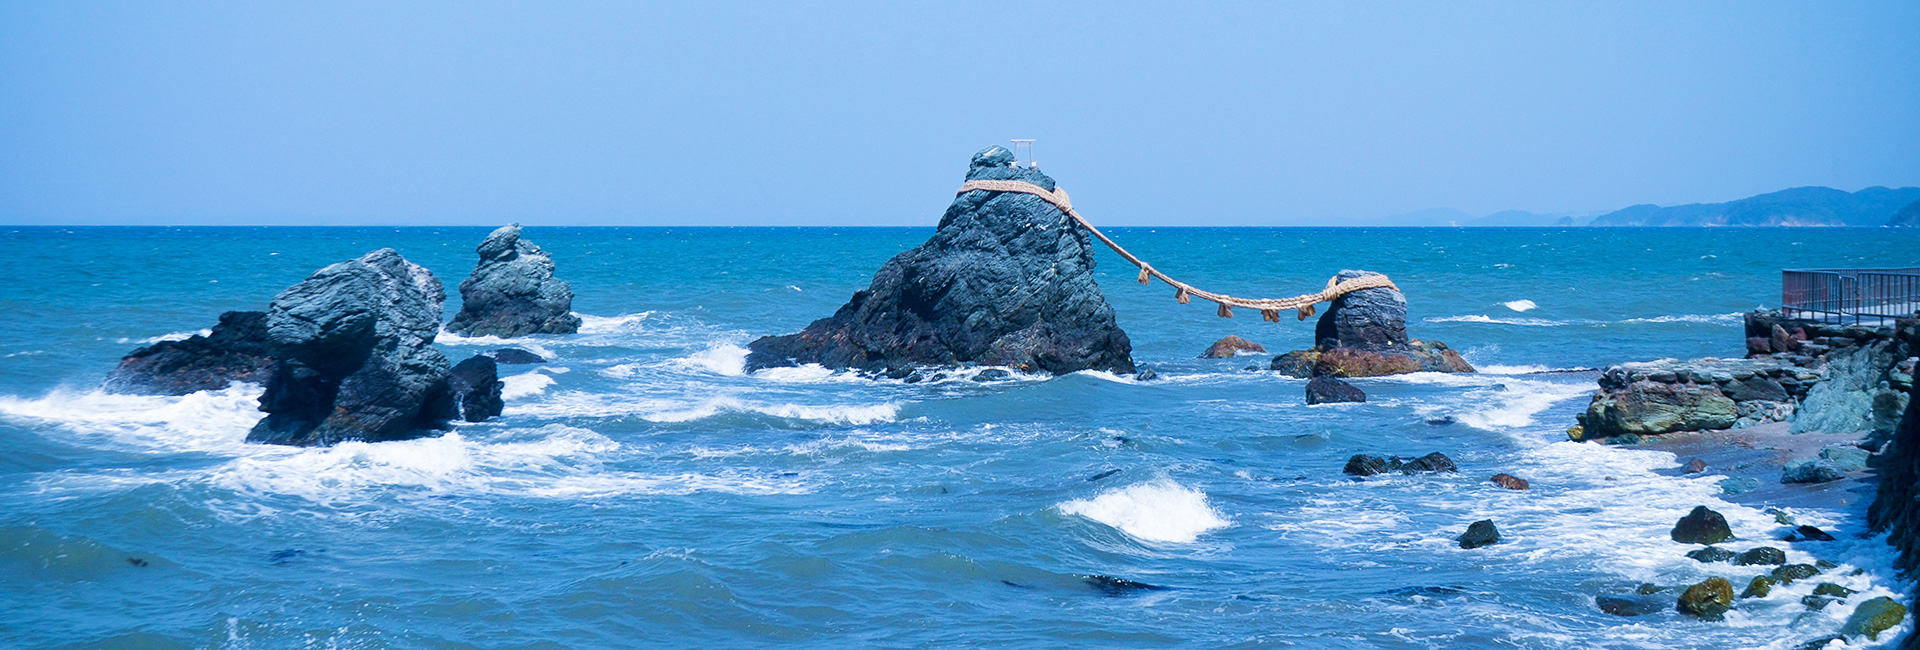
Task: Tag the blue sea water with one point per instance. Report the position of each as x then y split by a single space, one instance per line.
642 491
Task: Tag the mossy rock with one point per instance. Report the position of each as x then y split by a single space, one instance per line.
1709 600
1874 616
1758 588
1787 574
1830 589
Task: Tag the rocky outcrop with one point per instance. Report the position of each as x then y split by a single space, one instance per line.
1479 533
1701 526
1865 370
356 356
1668 396
515 356
1369 464
1007 280
1364 334
512 291
1708 600
235 350
1231 346
1510 481
476 388
1328 390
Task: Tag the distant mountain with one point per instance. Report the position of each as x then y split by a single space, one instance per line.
1907 217
1800 206
1451 217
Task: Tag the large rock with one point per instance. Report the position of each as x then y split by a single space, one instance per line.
1328 390
1364 334
476 388
1007 280
1708 600
1701 526
1650 407
1873 617
356 356
1479 533
512 291
235 350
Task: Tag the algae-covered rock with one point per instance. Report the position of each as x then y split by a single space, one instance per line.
1759 587
1510 481
1873 617
1708 600
1786 574
1711 554
1701 526
1830 589
1006 280
1761 556
1650 407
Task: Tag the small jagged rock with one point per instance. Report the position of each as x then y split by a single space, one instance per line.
356 360
1326 390
1479 533
1761 556
1873 617
1146 374
235 350
1701 526
992 374
1804 533
476 388
1712 554
1231 346
1708 600
1117 587
512 291
1786 574
1510 481
1006 280
1369 465
1811 471
1759 587
512 356
1434 462
1830 589
1696 466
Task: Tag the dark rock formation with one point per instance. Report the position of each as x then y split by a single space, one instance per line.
515 356
1325 390
1786 574
1761 556
1635 605
1712 554
476 388
235 350
1230 346
1434 462
1758 587
1811 471
1479 533
1805 533
1510 481
1669 396
1708 600
1364 334
1369 464
1702 526
1007 280
512 291
356 356
1873 617
1116 587
1696 466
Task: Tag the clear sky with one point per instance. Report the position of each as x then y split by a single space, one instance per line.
790 113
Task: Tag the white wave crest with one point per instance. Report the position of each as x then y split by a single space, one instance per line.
1519 305
1159 511
591 324
728 359
175 336
1482 318
1515 405
197 421
855 415
525 385
1691 318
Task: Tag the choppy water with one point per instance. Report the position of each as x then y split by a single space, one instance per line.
641 491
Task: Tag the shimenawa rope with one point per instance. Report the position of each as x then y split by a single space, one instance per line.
1269 308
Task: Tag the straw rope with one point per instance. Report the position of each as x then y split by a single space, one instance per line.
1269 307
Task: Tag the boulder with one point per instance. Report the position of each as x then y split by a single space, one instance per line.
1364 334
1325 390
512 291
1811 471
1369 464
1830 589
1805 533
1696 466
1761 556
515 356
1479 533
1846 459
1701 526
1434 462
1759 587
356 358
1510 481
1786 574
476 388
1649 407
1873 617
234 350
1231 346
1708 600
1712 554
1006 280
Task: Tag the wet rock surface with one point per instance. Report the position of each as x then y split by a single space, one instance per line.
356 358
1326 390
1231 346
1709 600
516 356
512 291
1701 526
1006 280
476 388
1364 334
1479 533
1634 605
1369 464
1510 481
1873 617
1670 396
234 350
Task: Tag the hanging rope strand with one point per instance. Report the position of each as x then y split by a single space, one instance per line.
1269 308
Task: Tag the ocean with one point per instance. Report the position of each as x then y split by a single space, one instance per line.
642 491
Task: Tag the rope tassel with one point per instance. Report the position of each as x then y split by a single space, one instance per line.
1270 315
1225 311
1305 312
1145 277
1180 294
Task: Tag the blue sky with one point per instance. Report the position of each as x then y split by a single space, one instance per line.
718 113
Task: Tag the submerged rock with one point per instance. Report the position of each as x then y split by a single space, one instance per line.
1364 334
356 356
1434 462
1708 600
1369 464
1761 555
1636 605
1326 390
1712 554
1231 346
1479 533
1007 280
1805 533
516 356
1510 481
1115 587
1785 575
476 388
1701 526
234 350
512 291
1759 587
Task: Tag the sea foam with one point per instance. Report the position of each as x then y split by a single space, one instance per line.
1158 511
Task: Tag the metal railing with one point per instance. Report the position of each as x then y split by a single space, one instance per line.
1839 295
